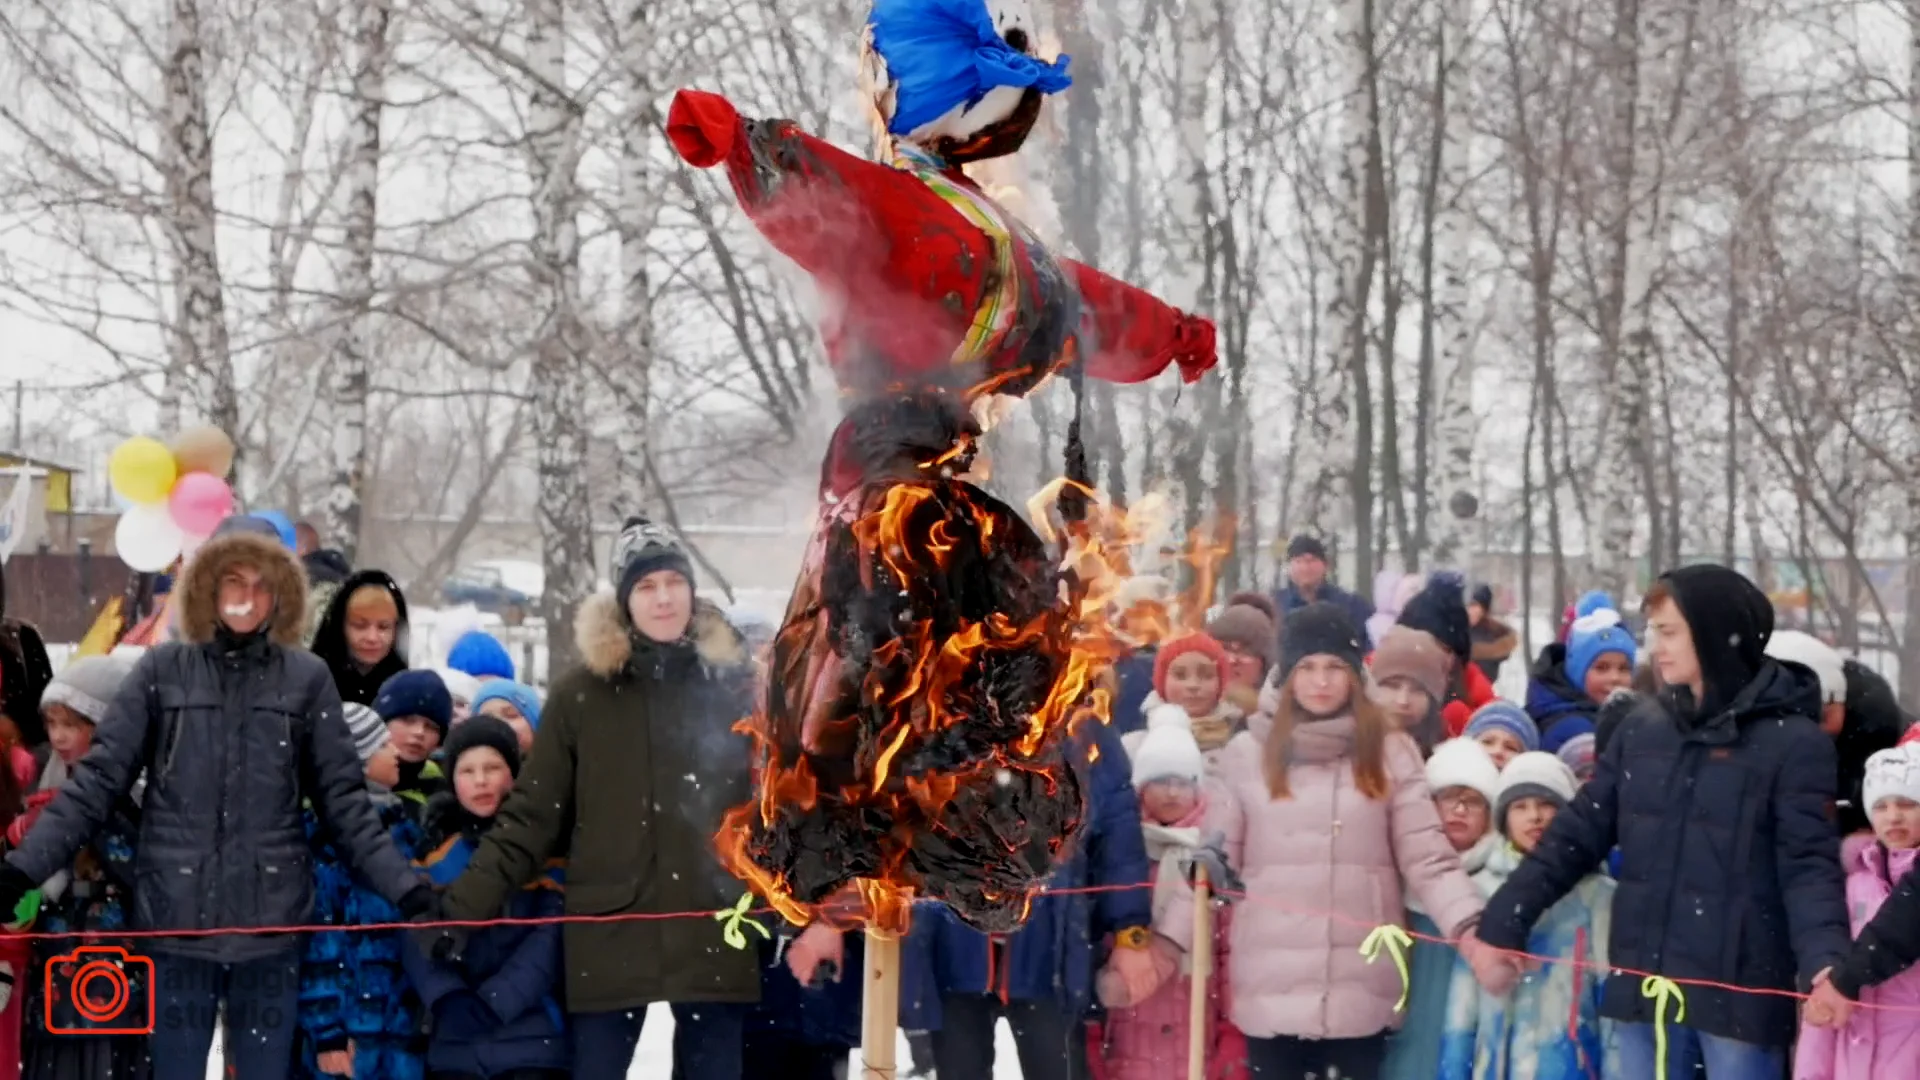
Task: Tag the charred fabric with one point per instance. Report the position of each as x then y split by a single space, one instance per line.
916 689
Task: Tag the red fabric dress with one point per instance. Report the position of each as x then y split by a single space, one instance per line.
925 280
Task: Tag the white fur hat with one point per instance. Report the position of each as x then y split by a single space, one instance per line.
1168 750
1463 763
1535 774
1799 647
1894 771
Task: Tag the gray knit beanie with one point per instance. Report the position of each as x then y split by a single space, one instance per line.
87 686
368 730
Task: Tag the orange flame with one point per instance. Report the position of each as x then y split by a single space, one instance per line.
1086 632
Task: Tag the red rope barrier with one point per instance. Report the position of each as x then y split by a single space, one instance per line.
1087 890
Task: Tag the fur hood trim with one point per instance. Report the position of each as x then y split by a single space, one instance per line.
605 647
199 587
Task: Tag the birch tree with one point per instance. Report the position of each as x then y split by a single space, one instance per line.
1329 500
1450 495
371 19
632 371
559 375
1647 36
200 354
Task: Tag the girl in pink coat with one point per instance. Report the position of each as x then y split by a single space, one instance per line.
1149 1040
1883 1038
1326 816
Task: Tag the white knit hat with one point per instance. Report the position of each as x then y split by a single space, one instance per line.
1895 771
1534 774
460 685
1463 763
1169 749
1800 647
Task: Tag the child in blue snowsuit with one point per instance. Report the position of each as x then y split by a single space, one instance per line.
496 1006
359 1015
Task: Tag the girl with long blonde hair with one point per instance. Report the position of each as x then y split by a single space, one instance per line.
1325 814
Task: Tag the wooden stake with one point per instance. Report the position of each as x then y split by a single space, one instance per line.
880 1006
1200 960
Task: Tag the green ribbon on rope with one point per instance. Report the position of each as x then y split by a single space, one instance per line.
26 910
1395 941
734 918
1663 990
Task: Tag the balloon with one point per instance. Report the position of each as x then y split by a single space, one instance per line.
204 449
147 538
142 470
199 502
282 524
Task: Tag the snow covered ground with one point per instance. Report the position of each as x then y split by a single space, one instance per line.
654 1059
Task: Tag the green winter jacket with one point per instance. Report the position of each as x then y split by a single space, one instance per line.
633 766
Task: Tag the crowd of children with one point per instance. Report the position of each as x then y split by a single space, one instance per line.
1327 776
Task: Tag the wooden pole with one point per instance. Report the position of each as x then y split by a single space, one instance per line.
1200 959
880 1006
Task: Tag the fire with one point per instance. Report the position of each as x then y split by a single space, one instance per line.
914 736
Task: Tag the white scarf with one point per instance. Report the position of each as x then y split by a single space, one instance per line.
1471 862
1173 848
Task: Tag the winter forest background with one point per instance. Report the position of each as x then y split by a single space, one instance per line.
1632 283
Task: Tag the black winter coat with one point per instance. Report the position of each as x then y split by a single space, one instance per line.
233 734
1730 863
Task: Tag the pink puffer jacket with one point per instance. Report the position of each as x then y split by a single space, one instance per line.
1149 1041
1322 868
1877 1042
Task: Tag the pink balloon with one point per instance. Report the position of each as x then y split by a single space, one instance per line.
199 502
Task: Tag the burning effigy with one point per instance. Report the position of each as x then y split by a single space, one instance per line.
914 734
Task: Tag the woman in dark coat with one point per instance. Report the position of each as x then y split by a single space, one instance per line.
363 636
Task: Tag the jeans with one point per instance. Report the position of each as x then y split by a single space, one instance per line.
1050 1045
707 1040
263 1005
1287 1058
1725 1059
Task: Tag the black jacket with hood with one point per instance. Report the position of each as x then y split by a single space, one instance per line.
1730 864
357 684
233 733
25 672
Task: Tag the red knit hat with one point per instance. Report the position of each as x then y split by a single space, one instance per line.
1204 644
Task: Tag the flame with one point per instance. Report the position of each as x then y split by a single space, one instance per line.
916 681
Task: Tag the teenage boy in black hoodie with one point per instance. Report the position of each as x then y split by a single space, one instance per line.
1718 792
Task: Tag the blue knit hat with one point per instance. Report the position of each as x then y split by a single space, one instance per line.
1595 634
1504 716
521 696
416 693
479 655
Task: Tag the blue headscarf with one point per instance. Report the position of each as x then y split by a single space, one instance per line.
944 53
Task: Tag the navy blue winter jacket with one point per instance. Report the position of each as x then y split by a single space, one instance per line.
1730 863
1052 957
1289 598
516 971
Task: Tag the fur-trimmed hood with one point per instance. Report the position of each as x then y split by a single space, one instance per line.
606 644
198 592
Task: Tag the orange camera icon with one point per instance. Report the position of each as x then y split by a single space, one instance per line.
93 982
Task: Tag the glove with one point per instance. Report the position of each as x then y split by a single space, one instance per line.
463 1010
36 802
1212 855
14 887
420 904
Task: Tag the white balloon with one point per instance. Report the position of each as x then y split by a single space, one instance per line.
147 538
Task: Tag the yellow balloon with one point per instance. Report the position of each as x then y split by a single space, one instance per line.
142 470
203 449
